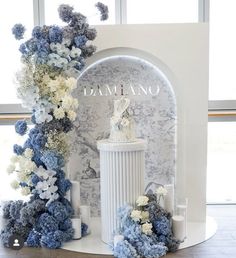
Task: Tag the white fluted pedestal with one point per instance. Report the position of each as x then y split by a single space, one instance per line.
122 180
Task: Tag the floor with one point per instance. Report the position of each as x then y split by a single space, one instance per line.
221 245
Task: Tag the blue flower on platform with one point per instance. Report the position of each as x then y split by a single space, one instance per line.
49 241
38 141
84 229
162 226
37 32
21 127
65 12
124 249
48 223
63 185
58 211
52 160
80 41
34 238
55 34
18 31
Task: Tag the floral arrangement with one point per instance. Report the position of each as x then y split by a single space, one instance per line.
146 230
51 60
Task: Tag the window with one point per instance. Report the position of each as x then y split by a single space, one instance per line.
162 11
12 12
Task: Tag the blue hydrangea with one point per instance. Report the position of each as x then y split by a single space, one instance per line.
15 207
37 32
49 241
80 40
17 149
68 206
48 223
52 160
65 225
124 249
21 127
18 31
90 33
162 226
55 34
84 229
33 239
103 9
38 141
65 12
58 211
63 185
69 233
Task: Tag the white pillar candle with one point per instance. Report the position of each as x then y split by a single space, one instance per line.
169 198
85 215
178 227
117 239
182 211
75 196
76 224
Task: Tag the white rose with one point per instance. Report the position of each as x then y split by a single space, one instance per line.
161 191
15 184
25 191
71 115
142 200
59 113
28 153
11 168
145 215
136 215
147 228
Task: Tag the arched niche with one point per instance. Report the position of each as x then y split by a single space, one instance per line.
145 80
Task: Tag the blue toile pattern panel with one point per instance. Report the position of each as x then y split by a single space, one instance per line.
153 108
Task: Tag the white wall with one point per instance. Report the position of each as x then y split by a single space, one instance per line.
183 53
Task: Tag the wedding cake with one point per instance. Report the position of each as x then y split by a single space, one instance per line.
121 167
122 125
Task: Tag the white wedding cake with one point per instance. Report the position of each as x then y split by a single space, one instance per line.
122 124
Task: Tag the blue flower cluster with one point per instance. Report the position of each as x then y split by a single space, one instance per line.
103 9
21 127
56 54
138 244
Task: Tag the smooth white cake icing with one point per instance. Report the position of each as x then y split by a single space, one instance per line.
122 125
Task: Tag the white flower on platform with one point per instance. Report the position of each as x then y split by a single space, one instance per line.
59 113
22 176
144 216
71 115
75 52
28 153
71 83
136 215
25 191
147 228
142 200
15 184
14 159
11 168
44 174
161 191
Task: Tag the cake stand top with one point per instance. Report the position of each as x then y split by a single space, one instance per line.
137 145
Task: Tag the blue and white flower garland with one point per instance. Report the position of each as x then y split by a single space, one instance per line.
51 60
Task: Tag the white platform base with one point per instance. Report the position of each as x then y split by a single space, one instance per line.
92 244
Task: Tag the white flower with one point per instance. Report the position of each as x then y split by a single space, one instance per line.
145 215
28 153
67 102
142 200
71 83
14 158
27 165
62 50
75 52
43 173
71 115
61 62
53 85
15 184
147 228
59 113
136 215
11 168
161 191
54 47
25 191
66 42
22 177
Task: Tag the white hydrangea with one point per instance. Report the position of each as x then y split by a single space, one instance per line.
43 173
14 158
67 102
11 168
25 191
161 191
59 113
28 153
63 51
71 115
71 83
15 184
26 165
75 52
142 200
136 215
22 177
53 85
147 228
